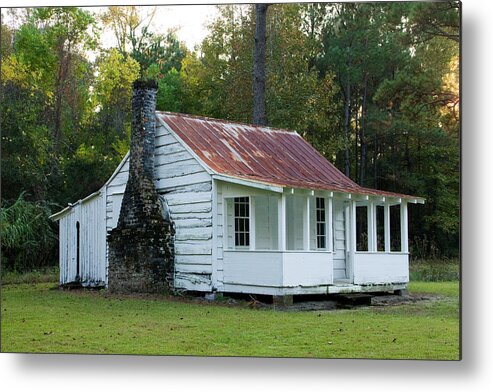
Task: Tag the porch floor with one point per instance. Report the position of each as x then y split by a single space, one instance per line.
343 287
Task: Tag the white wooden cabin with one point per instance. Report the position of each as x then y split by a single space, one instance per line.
256 210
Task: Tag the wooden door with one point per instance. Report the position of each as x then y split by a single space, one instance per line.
339 234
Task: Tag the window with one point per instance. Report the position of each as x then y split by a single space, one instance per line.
242 221
320 210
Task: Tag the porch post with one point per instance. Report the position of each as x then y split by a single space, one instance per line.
404 239
386 218
372 227
306 224
252 223
282 222
353 247
369 224
328 228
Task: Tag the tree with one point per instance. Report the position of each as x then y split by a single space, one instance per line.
113 93
259 65
50 46
156 53
128 24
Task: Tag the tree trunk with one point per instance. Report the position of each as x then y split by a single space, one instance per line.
376 149
356 141
63 64
362 135
259 116
347 119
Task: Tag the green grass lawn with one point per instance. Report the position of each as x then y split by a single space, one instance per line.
40 318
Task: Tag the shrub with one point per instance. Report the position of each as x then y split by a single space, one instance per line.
43 275
434 270
29 240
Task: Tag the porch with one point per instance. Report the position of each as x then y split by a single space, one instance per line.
296 241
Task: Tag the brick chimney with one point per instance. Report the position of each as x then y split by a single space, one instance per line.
141 250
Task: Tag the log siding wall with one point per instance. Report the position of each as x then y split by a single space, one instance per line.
187 189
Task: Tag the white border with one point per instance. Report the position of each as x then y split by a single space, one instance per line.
126 373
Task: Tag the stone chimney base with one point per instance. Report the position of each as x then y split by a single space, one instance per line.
142 260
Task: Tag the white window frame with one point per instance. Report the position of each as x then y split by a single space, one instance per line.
321 223
247 232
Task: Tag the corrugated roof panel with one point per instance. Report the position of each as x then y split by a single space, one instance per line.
274 156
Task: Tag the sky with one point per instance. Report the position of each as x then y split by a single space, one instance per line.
190 21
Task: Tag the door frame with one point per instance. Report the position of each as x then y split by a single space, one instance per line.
346 213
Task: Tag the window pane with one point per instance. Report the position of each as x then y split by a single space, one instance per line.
362 228
395 228
380 229
266 222
294 222
242 221
321 235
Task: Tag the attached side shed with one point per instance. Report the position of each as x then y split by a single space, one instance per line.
83 242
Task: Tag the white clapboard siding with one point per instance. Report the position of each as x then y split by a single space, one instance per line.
192 222
176 156
192 208
93 242
192 281
90 215
113 207
116 186
194 233
187 188
193 247
169 149
188 198
164 139
112 189
175 169
120 179
189 216
68 247
194 268
163 182
114 196
195 259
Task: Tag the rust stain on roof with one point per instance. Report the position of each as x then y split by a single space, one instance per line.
270 155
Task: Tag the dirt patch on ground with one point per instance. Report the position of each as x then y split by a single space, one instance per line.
334 302
386 300
339 302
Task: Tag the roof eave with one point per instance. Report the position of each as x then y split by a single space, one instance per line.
60 214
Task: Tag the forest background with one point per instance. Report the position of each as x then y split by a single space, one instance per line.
373 86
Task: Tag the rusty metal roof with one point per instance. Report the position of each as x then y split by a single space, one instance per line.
269 155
